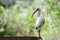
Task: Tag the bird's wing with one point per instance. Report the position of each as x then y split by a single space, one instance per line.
39 22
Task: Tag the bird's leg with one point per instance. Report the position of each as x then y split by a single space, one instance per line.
39 34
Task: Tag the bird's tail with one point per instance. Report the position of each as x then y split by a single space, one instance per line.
37 28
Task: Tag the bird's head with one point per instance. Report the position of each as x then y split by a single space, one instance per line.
38 9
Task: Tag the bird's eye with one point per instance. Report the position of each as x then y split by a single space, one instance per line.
38 9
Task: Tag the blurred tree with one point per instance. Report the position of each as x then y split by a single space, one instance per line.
7 3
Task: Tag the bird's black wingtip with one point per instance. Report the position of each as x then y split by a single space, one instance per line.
36 28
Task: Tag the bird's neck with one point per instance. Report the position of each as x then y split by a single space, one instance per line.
38 13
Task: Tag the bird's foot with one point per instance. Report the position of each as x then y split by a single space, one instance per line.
40 38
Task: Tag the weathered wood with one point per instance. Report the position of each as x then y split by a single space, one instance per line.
18 38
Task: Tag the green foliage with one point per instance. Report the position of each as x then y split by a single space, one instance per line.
7 3
19 22
1 9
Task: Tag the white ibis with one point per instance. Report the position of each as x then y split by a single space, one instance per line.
40 21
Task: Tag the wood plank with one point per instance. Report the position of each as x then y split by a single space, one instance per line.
18 38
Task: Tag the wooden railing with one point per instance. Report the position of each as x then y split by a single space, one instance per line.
18 38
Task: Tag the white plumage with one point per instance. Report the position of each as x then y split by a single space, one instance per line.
39 22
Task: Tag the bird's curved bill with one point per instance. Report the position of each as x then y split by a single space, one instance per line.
34 12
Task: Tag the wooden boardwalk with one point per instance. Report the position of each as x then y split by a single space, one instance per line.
18 38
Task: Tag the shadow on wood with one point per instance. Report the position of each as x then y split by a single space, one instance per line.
18 38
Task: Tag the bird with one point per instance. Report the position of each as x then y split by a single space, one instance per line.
39 22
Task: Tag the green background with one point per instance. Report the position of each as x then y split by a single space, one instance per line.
16 20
